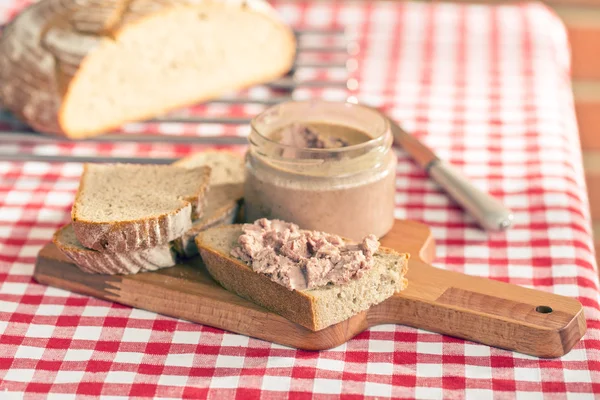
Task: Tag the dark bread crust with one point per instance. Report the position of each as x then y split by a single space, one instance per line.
134 235
236 277
96 262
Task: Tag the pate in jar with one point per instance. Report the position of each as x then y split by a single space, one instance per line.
324 166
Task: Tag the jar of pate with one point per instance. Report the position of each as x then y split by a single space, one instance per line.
346 188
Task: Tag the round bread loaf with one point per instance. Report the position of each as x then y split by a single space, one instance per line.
82 67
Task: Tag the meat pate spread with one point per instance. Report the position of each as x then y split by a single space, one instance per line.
307 137
301 259
346 194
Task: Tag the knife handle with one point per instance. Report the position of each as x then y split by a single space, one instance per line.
489 212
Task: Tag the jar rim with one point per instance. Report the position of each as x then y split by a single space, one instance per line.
376 141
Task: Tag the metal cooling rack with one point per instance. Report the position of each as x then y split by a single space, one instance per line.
285 88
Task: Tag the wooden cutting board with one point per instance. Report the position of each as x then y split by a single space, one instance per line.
477 309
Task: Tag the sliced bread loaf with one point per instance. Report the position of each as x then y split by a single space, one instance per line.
128 207
102 262
314 309
132 262
82 67
223 199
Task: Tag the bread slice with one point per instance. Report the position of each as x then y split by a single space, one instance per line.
82 67
132 262
129 207
227 167
314 309
223 199
226 191
102 262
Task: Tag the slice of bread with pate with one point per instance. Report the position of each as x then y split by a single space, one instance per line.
130 207
315 308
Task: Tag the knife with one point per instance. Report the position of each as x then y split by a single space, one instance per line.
489 213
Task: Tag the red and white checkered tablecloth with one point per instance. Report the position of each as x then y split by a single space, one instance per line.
487 87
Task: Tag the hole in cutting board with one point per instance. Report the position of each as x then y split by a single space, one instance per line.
543 309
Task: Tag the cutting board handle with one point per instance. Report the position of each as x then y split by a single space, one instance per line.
485 311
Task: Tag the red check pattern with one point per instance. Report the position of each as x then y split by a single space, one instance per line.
487 87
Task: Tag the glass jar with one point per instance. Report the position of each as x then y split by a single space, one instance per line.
349 191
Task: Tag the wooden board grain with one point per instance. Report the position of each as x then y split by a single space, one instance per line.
477 309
